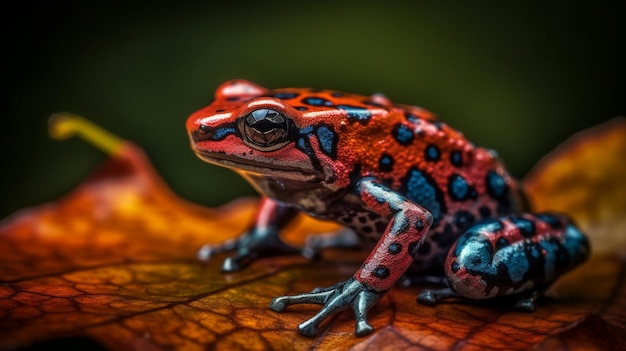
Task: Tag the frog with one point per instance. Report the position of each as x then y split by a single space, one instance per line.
421 198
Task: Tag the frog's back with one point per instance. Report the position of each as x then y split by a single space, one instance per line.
408 149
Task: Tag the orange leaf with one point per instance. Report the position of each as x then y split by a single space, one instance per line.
586 178
113 265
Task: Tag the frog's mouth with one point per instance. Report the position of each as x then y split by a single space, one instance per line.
238 163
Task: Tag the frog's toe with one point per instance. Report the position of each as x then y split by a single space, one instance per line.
363 328
524 305
361 306
231 264
308 328
527 301
431 297
279 303
206 252
427 297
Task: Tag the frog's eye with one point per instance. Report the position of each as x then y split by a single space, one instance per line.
267 129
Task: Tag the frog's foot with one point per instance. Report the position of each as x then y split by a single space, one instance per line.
342 238
525 301
335 299
255 244
431 297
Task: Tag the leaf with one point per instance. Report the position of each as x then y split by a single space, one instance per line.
588 182
112 265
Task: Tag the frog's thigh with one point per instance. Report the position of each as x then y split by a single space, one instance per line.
513 254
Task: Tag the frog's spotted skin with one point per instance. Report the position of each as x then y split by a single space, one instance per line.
417 192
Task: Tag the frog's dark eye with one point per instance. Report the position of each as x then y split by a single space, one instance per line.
266 128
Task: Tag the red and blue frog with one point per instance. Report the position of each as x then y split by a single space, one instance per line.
421 198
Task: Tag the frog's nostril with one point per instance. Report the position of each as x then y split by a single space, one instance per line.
202 133
203 130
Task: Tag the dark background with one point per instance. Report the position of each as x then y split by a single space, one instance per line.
517 77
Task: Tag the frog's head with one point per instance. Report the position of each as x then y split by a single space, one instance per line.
285 133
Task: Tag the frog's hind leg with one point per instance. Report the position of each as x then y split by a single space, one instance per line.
515 255
262 240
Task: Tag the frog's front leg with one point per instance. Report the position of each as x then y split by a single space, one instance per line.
392 256
261 240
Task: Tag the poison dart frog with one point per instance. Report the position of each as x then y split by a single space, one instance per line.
419 196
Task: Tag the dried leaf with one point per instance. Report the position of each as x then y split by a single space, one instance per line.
588 182
113 265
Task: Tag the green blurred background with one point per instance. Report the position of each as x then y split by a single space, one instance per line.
518 77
